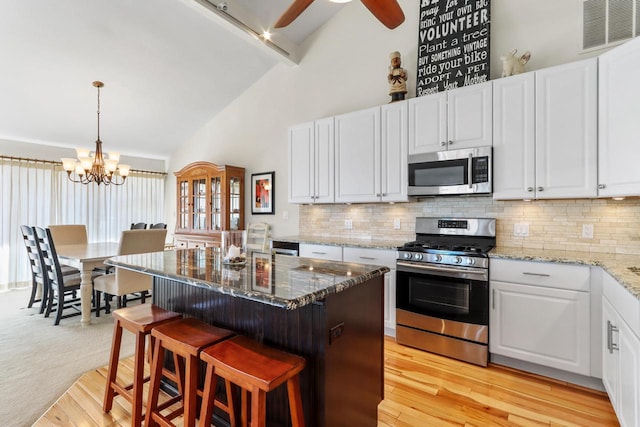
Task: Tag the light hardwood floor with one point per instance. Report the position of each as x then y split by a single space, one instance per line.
421 389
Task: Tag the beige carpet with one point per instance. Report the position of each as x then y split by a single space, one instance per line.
39 361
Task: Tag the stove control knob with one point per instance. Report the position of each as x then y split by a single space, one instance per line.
458 260
438 258
418 257
471 261
407 255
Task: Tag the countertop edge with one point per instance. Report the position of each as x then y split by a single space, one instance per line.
291 304
617 266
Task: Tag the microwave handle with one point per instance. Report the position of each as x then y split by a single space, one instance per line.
470 171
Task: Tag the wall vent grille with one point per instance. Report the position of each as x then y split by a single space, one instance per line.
608 22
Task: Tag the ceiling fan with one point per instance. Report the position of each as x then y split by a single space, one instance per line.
387 11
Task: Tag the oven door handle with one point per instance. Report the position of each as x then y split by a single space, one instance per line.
423 267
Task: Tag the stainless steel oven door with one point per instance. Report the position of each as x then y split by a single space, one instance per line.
460 294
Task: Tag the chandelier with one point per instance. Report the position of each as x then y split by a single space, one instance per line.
94 167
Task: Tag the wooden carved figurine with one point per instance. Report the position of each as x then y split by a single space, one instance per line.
397 78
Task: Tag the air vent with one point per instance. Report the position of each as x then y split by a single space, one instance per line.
608 22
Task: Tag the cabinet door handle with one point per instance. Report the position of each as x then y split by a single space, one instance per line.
443 143
450 142
469 170
526 273
377 194
610 330
529 189
370 258
319 253
601 186
493 299
540 189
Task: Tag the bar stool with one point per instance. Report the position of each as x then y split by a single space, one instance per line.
185 338
139 320
255 368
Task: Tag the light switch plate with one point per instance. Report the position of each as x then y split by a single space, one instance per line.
396 224
348 224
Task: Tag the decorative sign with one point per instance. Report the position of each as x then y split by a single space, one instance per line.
453 44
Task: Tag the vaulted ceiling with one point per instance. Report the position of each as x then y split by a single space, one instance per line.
168 66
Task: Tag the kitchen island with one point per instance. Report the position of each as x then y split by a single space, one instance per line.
331 313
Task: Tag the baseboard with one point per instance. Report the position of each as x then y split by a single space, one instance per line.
558 374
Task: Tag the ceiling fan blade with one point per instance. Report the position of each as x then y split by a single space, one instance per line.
387 11
289 15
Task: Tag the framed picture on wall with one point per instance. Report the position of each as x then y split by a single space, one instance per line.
263 193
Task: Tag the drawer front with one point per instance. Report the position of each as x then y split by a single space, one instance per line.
332 253
383 257
551 275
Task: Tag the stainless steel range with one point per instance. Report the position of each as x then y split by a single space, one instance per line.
442 288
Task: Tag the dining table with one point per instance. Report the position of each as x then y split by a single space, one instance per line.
85 257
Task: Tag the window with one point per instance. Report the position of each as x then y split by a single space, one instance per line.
608 22
39 193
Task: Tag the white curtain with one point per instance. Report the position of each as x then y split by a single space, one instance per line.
36 193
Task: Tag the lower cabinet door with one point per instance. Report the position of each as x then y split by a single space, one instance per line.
629 397
541 325
610 365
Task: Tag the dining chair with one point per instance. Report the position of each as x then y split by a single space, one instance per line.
257 237
69 234
39 286
157 225
123 281
62 290
138 226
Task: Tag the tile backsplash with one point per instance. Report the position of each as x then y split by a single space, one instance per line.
553 224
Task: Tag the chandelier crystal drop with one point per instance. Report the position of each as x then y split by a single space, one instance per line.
93 167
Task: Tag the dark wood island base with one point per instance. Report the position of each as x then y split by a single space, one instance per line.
341 338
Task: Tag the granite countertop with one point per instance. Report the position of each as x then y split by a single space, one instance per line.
341 241
279 280
620 266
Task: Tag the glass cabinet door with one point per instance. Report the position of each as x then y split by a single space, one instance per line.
199 194
183 204
234 203
216 203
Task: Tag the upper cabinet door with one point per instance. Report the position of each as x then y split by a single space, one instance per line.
394 144
566 130
619 121
301 163
357 154
428 123
470 112
324 161
514 137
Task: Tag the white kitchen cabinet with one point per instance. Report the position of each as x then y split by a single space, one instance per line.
357 153
619 127
540 313
621 351
514 173
545 133
327 252
454 119
394 144
385 258
311 162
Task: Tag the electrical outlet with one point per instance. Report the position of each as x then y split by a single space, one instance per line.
587 231
521 229
348 224
396 224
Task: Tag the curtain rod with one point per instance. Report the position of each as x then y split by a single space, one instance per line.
51 162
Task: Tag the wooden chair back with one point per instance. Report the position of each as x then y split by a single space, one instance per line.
258 236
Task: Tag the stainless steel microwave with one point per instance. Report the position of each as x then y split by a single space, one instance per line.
465 171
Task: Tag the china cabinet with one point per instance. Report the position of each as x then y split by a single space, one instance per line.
210 199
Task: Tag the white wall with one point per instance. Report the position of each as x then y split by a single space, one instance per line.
344 68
